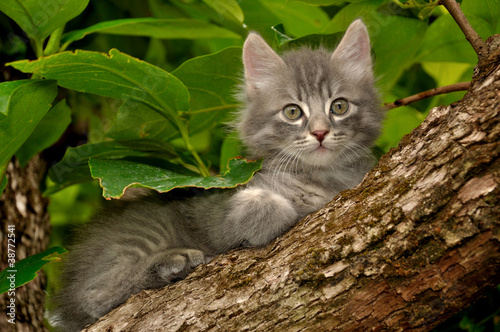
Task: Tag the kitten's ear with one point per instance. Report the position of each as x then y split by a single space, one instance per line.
259 59
354 50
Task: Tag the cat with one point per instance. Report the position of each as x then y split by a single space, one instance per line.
312 115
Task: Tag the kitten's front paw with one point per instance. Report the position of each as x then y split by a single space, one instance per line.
174 265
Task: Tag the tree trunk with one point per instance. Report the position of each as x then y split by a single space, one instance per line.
413 244
22 205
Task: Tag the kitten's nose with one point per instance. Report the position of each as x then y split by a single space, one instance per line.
320 134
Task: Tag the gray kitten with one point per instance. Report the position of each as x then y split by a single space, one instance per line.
311 114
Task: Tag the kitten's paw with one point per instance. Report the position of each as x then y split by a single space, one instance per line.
174 265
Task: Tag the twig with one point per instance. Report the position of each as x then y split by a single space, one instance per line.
477 43
429 93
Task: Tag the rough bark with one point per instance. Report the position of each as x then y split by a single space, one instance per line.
413 244
22 205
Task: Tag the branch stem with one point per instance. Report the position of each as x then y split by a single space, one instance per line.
462 86
470 34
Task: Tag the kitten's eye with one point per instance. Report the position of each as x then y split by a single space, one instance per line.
339 106
292 112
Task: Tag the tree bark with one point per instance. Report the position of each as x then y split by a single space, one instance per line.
22 205
414 243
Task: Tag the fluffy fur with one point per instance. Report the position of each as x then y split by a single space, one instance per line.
313 145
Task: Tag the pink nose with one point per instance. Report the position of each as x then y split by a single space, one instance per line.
320 134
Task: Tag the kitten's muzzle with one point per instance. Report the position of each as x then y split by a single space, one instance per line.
320 134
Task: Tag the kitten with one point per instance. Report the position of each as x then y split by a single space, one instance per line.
312 115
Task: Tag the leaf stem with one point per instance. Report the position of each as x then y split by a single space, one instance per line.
429 93
37 45
185 136
470 34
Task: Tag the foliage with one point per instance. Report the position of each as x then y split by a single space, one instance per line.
152 83
27 269
168 115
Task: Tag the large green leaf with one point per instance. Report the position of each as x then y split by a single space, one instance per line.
117 175
226 8
27 105
485 9
398 122
298 18
136 120
211 81
6 92
395 44
324 2
365 10
27 269
48 131
445 42
40 18
115 75
181 28
73 168
446 73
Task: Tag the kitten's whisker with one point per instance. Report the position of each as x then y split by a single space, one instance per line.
295 157
279 158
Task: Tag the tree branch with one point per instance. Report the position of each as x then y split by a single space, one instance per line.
462 86
477 43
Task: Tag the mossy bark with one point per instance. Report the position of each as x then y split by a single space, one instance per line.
414 243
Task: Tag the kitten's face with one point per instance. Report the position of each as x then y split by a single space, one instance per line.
310 107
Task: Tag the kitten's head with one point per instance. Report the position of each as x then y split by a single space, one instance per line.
310 107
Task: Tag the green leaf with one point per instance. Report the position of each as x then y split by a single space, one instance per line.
298 18
211 81
323 2
209 103
117 175
181 28
446 73
48 131
26 107
6 91
340 22
445 42
258 18
398 122
73 168
27 269
395 44
40 18
136 120
485 9
118 75
226 8
3 178
231 148
280 35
